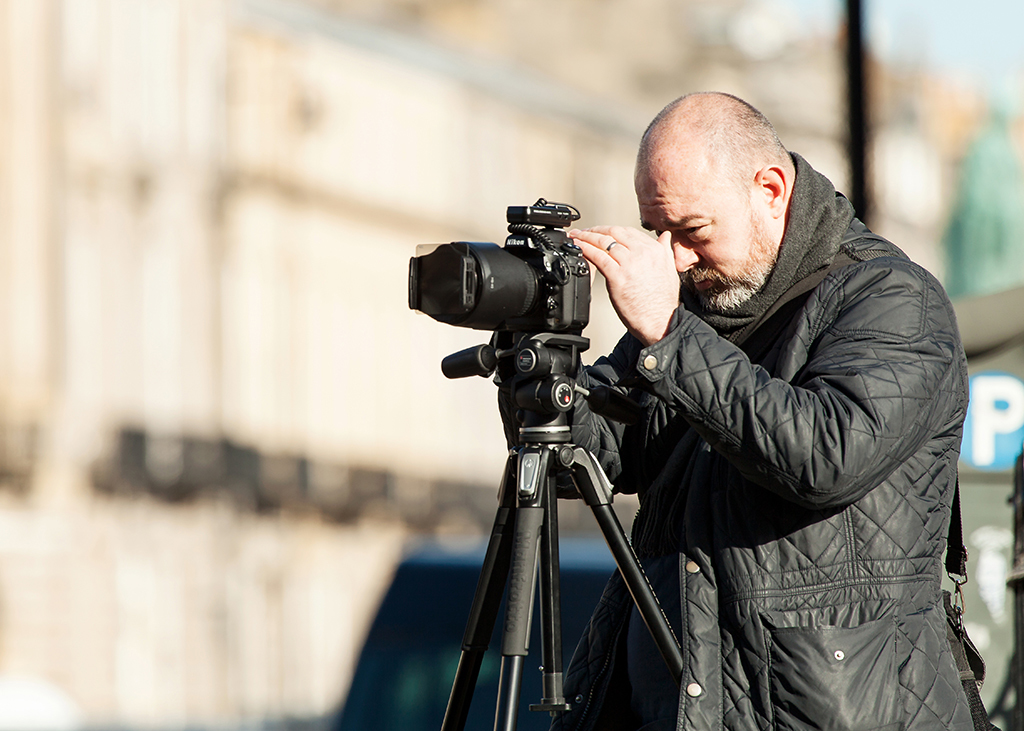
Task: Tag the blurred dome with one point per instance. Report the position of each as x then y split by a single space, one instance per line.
29 704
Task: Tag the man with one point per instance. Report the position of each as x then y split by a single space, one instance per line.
803 396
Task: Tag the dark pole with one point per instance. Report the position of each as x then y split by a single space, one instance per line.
857 108
1014 581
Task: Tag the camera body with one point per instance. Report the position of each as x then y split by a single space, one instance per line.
538 282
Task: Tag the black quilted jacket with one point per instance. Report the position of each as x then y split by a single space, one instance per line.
809 487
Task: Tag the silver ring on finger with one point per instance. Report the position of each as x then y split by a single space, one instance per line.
608 248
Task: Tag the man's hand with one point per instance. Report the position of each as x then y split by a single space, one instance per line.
643 283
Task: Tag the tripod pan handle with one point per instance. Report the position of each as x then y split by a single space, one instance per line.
608 402
480 360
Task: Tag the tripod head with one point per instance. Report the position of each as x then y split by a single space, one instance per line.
539 370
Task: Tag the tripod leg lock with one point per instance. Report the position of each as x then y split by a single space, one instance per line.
591 481
532 467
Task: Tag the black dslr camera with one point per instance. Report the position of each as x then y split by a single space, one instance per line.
538 282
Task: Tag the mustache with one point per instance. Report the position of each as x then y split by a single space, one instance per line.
719 282
698 275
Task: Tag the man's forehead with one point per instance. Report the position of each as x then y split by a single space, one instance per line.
675 170
679 155
674 197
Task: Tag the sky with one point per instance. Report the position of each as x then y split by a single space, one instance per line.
981 42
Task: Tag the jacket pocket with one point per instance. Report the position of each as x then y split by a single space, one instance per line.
833 678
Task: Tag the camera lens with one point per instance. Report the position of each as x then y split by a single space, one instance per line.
475 285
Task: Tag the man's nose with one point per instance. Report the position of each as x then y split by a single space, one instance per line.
685 257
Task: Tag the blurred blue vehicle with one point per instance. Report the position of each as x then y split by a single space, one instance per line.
407 666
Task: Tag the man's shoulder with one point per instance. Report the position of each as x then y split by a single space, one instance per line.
861 244
865 257
873 286
881 291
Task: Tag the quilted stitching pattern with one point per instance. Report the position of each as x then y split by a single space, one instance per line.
928 695
835 493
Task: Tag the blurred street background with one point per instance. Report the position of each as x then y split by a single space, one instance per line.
220 424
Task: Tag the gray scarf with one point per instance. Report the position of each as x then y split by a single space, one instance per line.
818 219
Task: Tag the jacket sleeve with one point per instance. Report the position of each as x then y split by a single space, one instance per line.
884 372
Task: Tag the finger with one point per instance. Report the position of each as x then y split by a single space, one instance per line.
595 238
595 230
597 256
623 234
593 250
605 241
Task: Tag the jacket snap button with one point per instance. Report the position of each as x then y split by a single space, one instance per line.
839 655
691 567
650 362
579 698
693 690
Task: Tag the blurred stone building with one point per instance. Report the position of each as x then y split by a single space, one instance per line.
219 422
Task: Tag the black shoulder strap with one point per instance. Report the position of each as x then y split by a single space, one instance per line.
956 551
969 663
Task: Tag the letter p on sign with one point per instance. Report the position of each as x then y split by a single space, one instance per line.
994 429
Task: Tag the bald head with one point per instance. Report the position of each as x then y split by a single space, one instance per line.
730 136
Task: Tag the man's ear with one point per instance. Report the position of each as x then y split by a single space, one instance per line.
772 187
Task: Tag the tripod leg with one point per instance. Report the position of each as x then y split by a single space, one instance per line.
593 485
510 684
486 601
532 485
551 610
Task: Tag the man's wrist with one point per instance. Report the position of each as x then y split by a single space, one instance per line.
656 334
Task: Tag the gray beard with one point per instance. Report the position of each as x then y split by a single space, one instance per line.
731 298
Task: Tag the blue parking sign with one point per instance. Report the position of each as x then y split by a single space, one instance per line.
994 429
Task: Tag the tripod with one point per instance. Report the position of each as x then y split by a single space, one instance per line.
524 537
